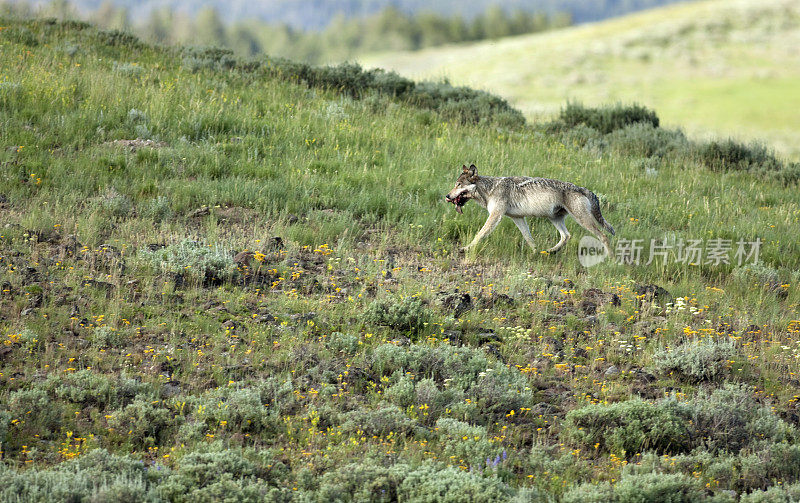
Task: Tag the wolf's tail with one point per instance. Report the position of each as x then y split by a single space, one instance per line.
594 203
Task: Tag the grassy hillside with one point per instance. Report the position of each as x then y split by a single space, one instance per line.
717 67
231 279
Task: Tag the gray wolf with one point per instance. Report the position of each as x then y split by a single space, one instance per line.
518 197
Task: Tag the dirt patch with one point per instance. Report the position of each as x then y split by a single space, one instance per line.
134 145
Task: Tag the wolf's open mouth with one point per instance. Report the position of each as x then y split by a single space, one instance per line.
459 202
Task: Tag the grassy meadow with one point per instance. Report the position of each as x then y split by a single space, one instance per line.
238 280
714 68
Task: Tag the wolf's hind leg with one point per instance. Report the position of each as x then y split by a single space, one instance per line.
522 225
558 222
588 222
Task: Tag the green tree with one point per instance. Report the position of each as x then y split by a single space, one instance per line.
209 28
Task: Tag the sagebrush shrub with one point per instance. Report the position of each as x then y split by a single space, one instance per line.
467 443
144 423
631 426
726 419
658 488
729 155
606 119
643 139
708 360
408 314
206 264
380 422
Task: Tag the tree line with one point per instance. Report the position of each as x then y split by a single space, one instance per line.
343 39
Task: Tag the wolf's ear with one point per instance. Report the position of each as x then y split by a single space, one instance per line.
473 173
464 168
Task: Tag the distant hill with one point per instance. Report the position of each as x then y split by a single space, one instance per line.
717 67
319 13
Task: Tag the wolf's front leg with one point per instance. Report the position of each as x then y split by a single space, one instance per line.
488 227
522 225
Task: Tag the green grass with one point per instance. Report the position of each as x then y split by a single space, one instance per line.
714 68
130 333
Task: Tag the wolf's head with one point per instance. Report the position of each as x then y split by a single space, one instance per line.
464 188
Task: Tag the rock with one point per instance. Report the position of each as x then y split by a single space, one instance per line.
98 284
243 258
200 212
487 337
556 344
457 303
292 219
611 371
496 300
588 307
455 337
179 279
26 311
599 297
651 292
275 243
265 318
303 316
35 301
642 375
70 244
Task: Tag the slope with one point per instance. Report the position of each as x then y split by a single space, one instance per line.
228 279
714 67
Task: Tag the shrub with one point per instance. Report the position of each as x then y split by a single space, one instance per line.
607 118
94 476
631 426
345 343
361 482
218 59
43 416
379 422
118 38
584 137
206 264
114 204
602 492
252 410
468 444
775 494
730 155
401 393
700 361
758 272
430 482
643 139
87 388
406 315
657 488
727 419
144 423
225 475
464 105
157 209
369 481
456 373
459 104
